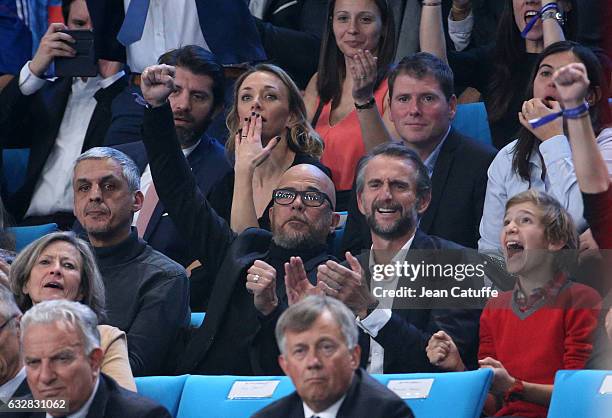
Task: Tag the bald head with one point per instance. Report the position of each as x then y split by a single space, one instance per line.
308 176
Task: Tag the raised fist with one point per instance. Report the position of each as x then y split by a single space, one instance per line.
157 83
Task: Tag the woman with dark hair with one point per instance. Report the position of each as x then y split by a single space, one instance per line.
541 157
268 133
62 266
347 96
497 69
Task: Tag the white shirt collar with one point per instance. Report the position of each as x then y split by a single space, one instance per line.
190 149
330 412
8 389
82 413
399 256
430 161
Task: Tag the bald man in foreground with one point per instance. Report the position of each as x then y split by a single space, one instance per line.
241 267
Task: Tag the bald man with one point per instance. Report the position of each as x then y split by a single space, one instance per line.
245 271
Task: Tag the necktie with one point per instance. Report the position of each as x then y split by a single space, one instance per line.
134 22
150 201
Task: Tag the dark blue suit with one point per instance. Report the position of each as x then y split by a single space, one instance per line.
227 26
209 164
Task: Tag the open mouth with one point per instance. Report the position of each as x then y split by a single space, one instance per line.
386 211
513 248
529 14
54 285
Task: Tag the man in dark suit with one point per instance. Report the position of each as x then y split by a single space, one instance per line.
56 120
61 348
13 383
199 99
302 217
393 188
317 338
422 106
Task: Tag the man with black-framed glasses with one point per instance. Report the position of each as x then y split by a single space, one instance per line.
246 272
13 382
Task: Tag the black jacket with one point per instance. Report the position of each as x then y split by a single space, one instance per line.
459 183
222 344
34 121
365 398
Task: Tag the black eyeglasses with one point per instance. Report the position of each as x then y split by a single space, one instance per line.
312 198
7 322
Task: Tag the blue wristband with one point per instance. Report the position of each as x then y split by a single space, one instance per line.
573 113
535 19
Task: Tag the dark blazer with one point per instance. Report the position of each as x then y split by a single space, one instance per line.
291 33
33 122
221 345
459 183
405 336
208 164
365 398
227 27
22 391
111 401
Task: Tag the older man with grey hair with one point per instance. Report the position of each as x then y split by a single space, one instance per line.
61 350
147 294
317 338
12 373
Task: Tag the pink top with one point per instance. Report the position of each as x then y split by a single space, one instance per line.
343 142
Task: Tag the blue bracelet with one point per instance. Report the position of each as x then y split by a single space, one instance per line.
573 113
534 19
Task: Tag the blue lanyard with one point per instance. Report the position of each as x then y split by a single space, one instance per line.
534 19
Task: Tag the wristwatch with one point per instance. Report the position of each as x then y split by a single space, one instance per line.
553 14
367 105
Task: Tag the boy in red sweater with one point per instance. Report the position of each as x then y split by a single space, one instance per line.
545 324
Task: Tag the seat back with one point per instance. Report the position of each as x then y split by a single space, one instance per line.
208 396
460 394
165 390
24 235
197 319
577 393
472 120
14 169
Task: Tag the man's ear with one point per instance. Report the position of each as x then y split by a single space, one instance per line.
138 201
282 362
423 202
355 356
360 204
452 106
556 246
95 360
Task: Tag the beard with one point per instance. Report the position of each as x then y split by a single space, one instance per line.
315 234
189 136
397 229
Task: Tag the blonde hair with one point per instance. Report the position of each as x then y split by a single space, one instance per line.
302 137
557 222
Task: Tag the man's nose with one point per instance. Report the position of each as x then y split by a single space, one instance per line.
46 373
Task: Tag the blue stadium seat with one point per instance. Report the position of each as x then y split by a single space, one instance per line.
460 394
472 120
14 168
207 396
577 394
166 390
197 319
24 235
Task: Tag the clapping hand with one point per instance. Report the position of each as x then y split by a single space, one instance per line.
261 281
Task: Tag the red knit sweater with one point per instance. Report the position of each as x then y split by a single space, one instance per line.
553 337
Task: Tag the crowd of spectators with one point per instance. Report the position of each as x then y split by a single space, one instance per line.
261 160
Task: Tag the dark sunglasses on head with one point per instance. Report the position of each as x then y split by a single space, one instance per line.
312 198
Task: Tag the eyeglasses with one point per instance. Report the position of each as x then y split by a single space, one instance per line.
7 322
311 198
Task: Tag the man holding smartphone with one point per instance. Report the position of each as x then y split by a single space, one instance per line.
57 119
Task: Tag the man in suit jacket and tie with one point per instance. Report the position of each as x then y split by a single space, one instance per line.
61 348
200 82
56 120
317 338
13 382
422 106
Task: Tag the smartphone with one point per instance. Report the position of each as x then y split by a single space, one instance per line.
83 64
